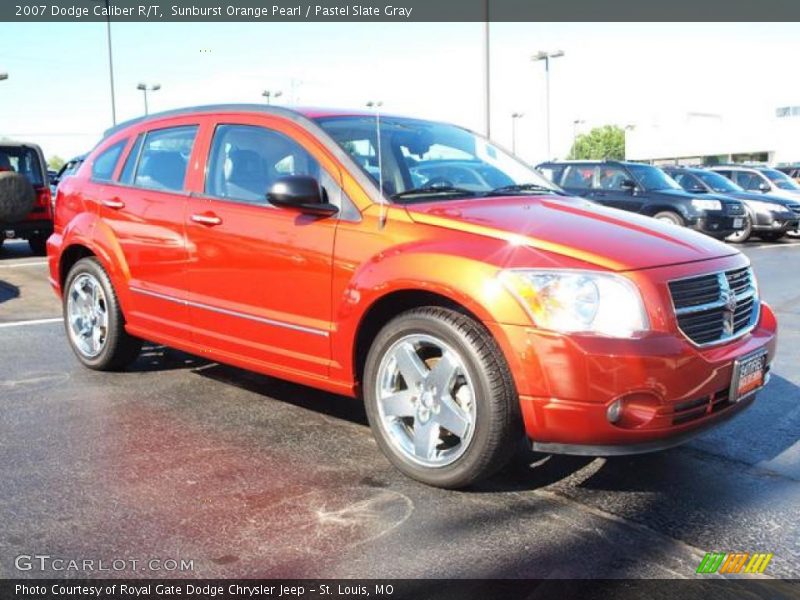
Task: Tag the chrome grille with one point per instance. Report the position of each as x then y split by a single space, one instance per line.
735 209
715 308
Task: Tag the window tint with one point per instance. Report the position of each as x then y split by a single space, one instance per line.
749 181
579 177
245 160
104 164
552 172
164 157
24 161
611 178
129 169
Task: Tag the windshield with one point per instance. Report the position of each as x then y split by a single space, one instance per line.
24 161
782 180
717 182
423 160
652 178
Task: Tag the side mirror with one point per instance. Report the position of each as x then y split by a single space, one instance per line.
763 187
628 185
301 193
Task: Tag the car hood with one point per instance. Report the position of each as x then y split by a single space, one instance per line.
746 196
575 228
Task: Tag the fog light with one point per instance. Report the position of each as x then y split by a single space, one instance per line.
614 411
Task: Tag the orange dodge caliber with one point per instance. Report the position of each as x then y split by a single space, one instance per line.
416 265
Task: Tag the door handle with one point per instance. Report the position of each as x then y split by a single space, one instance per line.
114 203
209 219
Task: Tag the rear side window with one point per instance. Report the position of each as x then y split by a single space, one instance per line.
105 163
129 170
164 157
578 176
22 160
552 172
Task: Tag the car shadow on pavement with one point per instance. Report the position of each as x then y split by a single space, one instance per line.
8 291
154 358
333 405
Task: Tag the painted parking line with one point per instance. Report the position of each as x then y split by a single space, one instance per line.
771 246
21 265
31 322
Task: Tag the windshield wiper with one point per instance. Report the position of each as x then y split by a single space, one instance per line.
521 187
434 190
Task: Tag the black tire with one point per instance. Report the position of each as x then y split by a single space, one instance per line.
38 245
16 197
669 216
740 237
772 236
120 348
497 426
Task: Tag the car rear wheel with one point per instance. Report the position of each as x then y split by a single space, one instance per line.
667 216
94 321
772 236
440 398
743 235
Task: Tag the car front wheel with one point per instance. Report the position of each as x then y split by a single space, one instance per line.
94 321
440 398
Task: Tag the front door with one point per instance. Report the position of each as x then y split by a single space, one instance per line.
259 285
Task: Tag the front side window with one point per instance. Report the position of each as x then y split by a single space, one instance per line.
245 161
164 157
749 181
421 160
105 163
578 177
611 178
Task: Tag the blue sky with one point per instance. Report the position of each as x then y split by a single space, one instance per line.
58 91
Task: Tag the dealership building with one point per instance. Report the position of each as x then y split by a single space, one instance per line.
696 138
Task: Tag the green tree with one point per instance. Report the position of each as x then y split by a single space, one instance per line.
55 162
607 142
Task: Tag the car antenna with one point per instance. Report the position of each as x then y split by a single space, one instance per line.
376 105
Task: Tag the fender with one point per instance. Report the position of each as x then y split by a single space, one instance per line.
427 267
88 230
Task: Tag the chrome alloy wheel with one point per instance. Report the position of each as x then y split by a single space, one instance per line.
87 315
426 400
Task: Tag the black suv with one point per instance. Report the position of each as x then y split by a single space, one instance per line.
769 217
649 191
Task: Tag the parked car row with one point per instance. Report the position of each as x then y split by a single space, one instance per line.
725 202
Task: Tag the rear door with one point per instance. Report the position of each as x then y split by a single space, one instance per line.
259 287
577 179
144 208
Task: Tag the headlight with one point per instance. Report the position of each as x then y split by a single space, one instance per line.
705 204
768 206
579 301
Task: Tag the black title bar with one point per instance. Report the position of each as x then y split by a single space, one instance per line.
277 11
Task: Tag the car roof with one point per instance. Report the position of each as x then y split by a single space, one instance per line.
262 109
13 144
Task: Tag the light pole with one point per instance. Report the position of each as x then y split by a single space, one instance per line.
145 88
487 73
575 125
110 61
269 94
514 118
546 56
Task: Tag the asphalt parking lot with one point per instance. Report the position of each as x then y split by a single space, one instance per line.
250 476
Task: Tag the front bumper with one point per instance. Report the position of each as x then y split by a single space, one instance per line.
675 390
717 224
778 222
